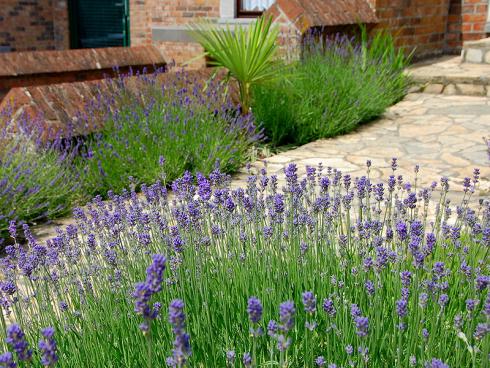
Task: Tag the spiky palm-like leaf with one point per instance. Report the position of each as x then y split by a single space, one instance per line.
248 53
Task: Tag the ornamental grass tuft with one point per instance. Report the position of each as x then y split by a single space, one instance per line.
338 84
323 270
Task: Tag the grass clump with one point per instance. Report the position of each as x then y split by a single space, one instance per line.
338 84
329 270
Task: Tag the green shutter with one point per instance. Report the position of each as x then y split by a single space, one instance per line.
99 23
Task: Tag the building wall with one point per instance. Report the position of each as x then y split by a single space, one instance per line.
474 19
428 26
33 25
418 25
174 15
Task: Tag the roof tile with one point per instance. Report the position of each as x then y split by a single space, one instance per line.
317 13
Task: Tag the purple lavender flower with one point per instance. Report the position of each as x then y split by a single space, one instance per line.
7 360
247 360
355 311
8 287
349 349
230 358
435 363
471 304
329 307
406 278
16 340
272 328
12 229
145 290
482 329
369 285
320 361
182 347
309 302
154 274
283 343
402 307
362 326
443 300
254 309
286 315
486 308
47 346
394 164
482 282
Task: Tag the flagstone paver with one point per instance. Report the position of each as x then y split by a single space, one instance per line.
443 134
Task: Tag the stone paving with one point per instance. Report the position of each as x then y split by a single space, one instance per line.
450 76
442 134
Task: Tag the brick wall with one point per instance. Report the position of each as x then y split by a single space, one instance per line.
454 35
146 14
33 25
416 24
474 19
139 24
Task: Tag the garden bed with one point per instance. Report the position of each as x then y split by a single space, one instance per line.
328 270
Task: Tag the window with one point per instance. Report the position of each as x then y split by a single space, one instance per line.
252 8
98 23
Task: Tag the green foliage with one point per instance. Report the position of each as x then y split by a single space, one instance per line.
36 183
225 247
247 53
153 127
337 85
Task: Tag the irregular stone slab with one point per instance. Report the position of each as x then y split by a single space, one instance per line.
449 70
465 109
434 88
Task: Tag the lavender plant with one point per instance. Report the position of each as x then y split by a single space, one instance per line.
339 83
37 180
400 285
191 123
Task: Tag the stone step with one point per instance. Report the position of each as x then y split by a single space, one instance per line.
476 52
448 75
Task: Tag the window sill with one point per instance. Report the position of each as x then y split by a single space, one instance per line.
179 33
235 21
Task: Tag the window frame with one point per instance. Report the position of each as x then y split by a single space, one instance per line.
246 13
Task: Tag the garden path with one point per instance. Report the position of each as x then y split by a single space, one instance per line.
443 134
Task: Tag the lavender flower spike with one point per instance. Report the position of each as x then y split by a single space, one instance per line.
48 348
309 302
16 340
254 309
7 360
286 315
182 347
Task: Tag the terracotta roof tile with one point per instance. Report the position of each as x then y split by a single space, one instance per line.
45 62
317 13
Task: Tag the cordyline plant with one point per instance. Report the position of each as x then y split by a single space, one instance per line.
248 54
329 271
